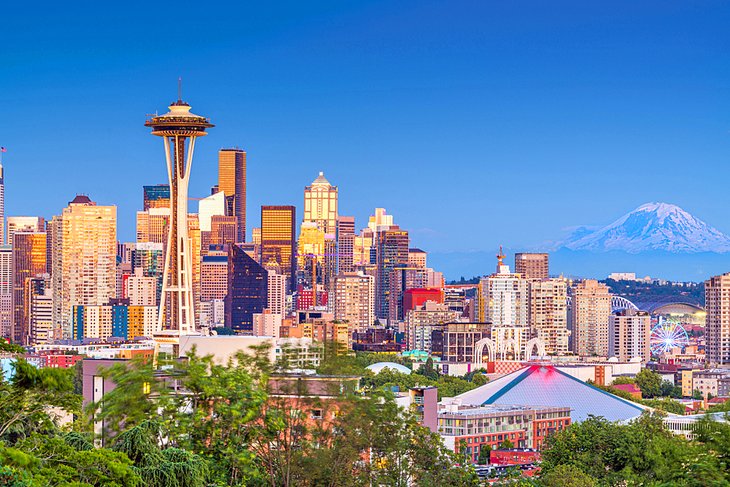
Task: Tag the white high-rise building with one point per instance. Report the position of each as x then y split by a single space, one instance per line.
504 298
628 335
276 301
213 205
6 290
40 297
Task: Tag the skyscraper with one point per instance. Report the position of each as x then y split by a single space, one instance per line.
320 204
247 291
590 312
345 243
278 242
40 310
152 225
629 331
531 265
157 196
549 314
503 298
717 326
276 301
2 205
24 224
354 299
6 291
179 129
232 181
84 258
392 250
29 261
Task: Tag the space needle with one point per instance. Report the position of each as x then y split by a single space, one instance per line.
179 128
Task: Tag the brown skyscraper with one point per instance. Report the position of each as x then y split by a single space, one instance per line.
232 181
277 239
532 266
29 260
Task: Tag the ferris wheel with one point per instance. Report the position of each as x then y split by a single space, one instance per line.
667 335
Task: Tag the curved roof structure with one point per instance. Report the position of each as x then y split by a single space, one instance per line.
547 385
377 368
677 308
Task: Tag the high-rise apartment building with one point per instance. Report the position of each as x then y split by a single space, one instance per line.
232 181
423 320
247 291
629 331
590 312
24 224
84 259
152 225
504 298
29 261
40 314
6 291
345 236
320 204
157 196
717 327
549 313
214 274
417 258
278 240
276 292
141 290
392 251
354 299
532 265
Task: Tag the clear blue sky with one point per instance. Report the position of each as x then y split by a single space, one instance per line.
473 122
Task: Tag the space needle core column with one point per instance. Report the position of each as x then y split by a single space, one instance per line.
178 128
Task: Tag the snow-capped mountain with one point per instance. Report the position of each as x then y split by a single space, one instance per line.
652 226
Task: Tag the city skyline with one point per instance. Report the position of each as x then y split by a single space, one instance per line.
495 99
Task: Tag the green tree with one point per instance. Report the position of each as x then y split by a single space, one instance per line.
506 445
484 451
642 452
649 382
25 402
697 395
666 389
566 476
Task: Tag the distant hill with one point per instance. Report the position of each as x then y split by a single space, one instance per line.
642 292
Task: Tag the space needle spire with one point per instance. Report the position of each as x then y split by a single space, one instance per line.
179 128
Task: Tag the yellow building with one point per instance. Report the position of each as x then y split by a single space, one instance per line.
84 258
320 204
232 181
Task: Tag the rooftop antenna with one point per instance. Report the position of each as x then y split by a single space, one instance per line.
179 88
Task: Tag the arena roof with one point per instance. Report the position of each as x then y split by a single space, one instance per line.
546 385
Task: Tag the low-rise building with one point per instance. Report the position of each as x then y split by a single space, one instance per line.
467 428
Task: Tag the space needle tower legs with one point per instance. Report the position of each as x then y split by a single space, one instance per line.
179 129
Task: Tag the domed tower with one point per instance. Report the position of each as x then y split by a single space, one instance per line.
179 128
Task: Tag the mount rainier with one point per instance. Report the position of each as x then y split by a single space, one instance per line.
650 227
